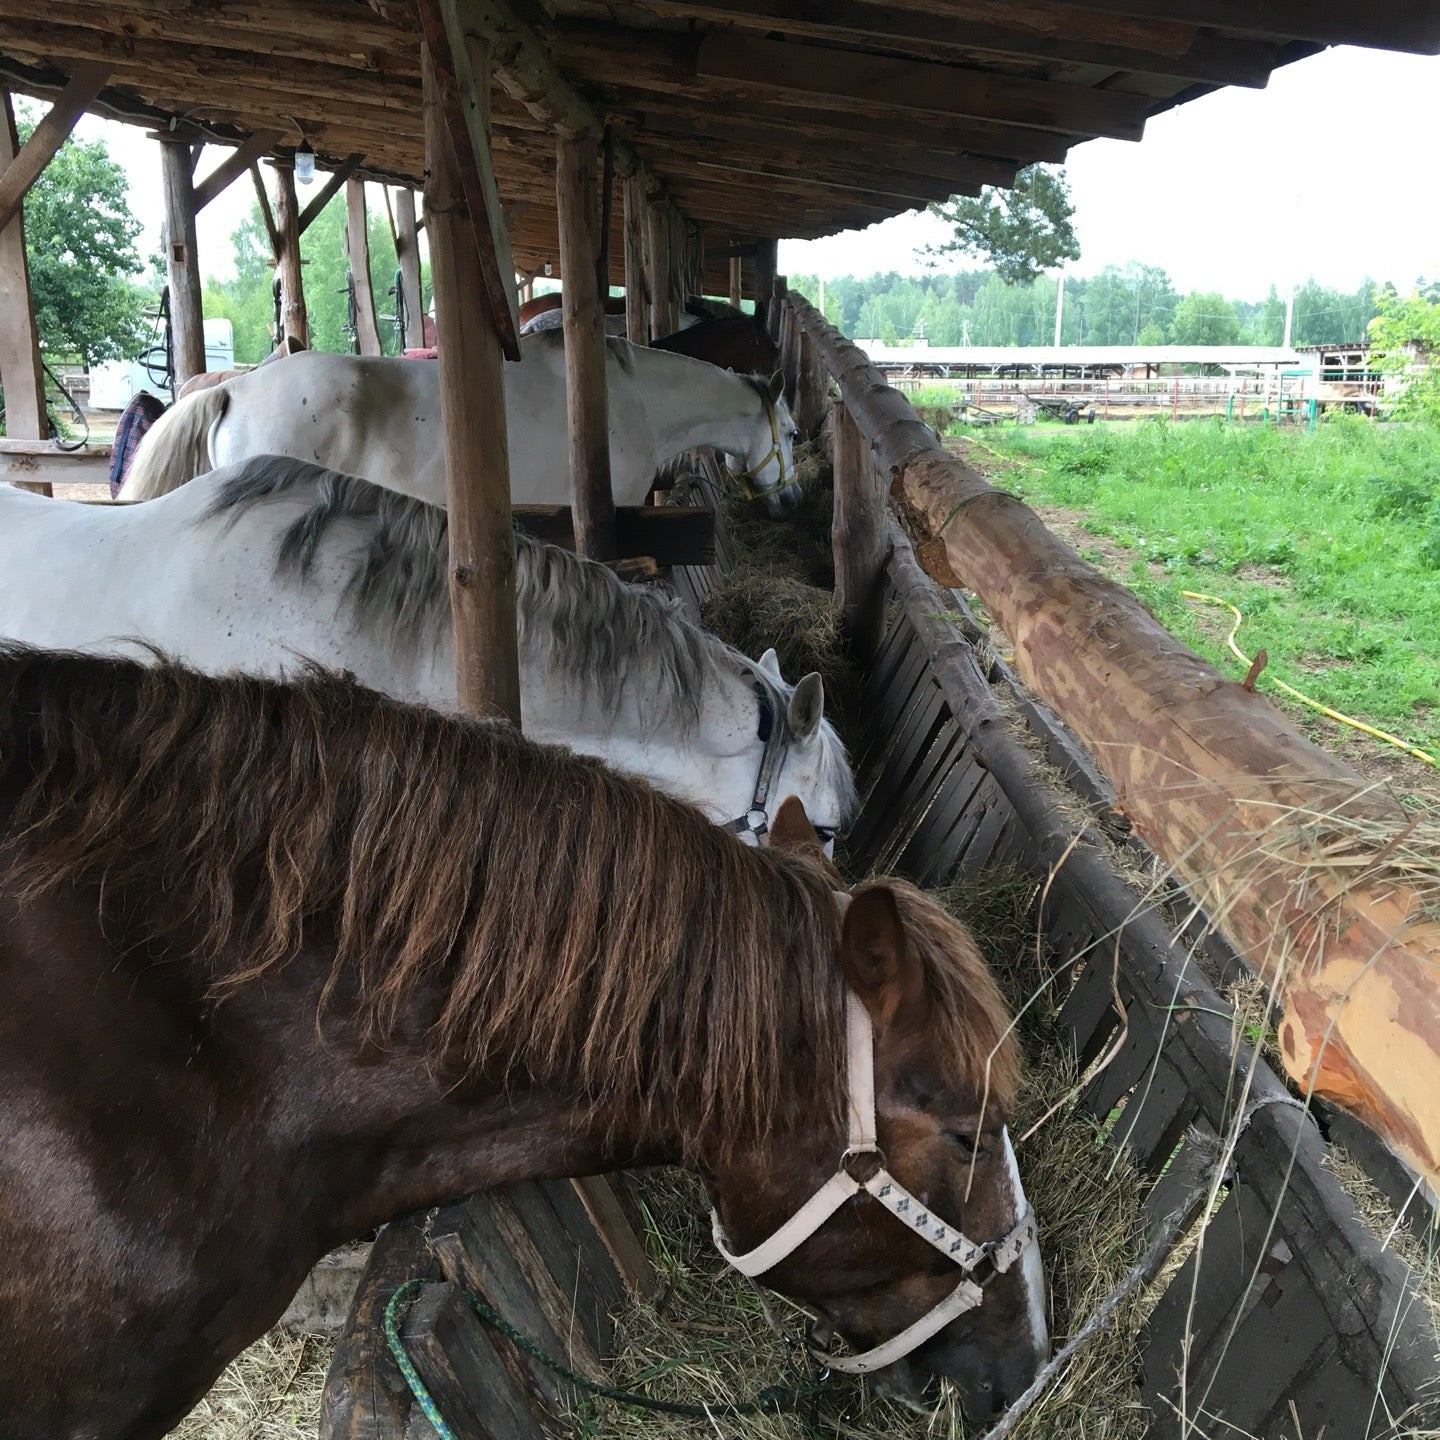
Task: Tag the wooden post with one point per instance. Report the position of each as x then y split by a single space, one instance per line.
789 351
657 268
676 271
20 369
778 292
736 280
293 319
407 256
182 263
637 299
766 260
592 499
810 387
357 247
857 538
472 398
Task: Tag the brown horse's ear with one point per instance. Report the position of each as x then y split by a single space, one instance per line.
880 967
791 828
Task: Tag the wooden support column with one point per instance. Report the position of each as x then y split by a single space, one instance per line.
407 256
182 262
789 351
857 537
293 319
736 280
676 272
637 297
357 248
766 260
778 291
657 268
810 388
587 413
20 369
472 398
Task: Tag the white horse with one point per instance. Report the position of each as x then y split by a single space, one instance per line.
265 565
380 417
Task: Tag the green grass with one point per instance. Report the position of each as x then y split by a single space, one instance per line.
1329 543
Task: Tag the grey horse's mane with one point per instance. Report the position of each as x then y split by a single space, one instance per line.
553 338
604 629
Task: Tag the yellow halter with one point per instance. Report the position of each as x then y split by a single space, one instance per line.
740 479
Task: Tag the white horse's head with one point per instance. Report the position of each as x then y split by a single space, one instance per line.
768 471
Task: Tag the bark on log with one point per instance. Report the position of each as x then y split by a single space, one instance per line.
407 256
1292 851
292 284
357 248
182 264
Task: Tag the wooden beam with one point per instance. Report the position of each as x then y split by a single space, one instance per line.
637 298
472 399
294 322
940 34
20 370
33 464
182 264
912 86
239 160
87 79
357 248
262 196
586 408
657 269
453 42
327 192
1396 25
668 534
407 257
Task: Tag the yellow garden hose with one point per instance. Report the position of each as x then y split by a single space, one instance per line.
1384 735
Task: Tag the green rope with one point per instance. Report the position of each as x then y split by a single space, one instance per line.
770 1401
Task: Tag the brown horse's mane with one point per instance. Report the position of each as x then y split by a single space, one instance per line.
566 923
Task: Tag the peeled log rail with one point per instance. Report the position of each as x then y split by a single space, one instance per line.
1289 848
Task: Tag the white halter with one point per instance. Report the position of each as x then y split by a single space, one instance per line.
996 1256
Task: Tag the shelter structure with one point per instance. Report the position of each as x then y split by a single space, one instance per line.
731 123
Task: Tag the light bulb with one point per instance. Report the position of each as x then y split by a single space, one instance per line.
304 162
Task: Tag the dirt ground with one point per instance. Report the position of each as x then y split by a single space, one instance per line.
1372 758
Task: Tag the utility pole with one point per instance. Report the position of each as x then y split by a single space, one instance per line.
1059 306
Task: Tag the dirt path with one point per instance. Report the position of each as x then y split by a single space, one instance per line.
1372 758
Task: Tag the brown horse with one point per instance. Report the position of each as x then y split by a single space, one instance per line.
734 342
282 962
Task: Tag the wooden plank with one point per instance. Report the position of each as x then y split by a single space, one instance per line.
668 534
613 1225
1088 1017
31 463
858 538
583 316
1156 1116
365 1396
576 1249
407 258
472 396
20 172
234 165
737 286
1066 35
804 70
456 1357
357 248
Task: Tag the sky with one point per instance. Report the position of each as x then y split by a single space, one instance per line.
1329 172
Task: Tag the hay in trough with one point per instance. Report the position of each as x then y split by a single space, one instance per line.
271 1392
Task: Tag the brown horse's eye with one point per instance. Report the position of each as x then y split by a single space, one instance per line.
970 1146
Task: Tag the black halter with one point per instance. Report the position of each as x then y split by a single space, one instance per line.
774 730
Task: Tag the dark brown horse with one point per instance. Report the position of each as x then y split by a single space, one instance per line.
281 962
734 342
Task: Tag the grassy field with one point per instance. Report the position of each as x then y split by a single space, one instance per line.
1329 544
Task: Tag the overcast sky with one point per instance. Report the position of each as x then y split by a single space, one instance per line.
1331 171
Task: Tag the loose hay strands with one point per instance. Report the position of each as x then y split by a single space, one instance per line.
270 1392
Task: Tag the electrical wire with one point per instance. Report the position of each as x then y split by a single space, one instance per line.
1325 710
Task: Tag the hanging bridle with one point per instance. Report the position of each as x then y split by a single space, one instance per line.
980 1263
740 479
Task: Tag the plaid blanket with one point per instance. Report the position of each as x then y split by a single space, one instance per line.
136 418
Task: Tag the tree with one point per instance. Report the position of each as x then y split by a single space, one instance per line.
1023 231
80 243
1406 340
1205 319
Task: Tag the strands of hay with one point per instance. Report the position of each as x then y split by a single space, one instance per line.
271 1392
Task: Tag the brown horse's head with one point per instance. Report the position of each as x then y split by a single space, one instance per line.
944 1073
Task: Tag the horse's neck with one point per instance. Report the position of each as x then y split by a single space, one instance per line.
691 403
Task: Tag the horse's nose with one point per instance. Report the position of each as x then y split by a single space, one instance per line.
784 502
988 1380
